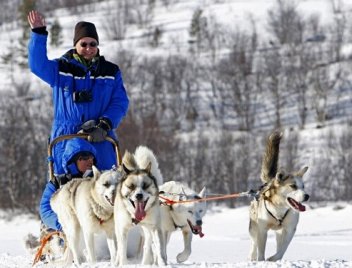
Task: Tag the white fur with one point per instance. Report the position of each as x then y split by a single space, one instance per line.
144 156
133 189
283 217
175 217
84 205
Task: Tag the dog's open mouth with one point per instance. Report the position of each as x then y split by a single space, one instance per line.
196 229
110 201
139 212
296 205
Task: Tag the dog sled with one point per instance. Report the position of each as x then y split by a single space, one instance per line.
83 136
60 236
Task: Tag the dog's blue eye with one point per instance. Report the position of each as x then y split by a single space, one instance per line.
200 211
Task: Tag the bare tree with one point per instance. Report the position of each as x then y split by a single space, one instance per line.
116 20
337 6
337 33
298 71
345 160
324 80
144 12
323 171
274 84
25 131
285 23
236 80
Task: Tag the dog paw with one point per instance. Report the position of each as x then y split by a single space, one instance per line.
274 258
183 256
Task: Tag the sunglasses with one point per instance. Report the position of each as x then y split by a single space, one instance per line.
91 44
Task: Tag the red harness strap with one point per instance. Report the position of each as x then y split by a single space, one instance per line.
171 202
42 245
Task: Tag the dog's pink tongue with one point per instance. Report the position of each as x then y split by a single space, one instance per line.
301 207
297 205
139 213
198 230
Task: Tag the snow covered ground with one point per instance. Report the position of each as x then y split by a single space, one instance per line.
323 239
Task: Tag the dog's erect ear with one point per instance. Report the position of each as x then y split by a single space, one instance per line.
127 171
182 196
202 193
280 176
96 172
129 162
183 191
302 171
148 168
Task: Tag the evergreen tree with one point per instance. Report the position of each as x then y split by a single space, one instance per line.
198 28
195 27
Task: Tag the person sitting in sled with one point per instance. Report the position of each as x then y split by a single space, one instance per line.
77 160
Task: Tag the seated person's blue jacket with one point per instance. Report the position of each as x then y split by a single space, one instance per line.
72 149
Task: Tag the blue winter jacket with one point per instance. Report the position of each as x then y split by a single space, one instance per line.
66 76
73 146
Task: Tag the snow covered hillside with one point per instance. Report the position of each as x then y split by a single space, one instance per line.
323 239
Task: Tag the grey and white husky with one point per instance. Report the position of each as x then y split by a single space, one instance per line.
137 203
86 206
186 216
278 204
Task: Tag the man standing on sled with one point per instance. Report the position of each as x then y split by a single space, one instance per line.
88 91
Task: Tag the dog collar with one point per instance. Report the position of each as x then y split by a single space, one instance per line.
101 221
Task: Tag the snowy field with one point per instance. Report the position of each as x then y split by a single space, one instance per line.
323 239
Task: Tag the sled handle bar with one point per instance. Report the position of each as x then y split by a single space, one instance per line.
83 136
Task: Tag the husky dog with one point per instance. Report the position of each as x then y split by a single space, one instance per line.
278 204
187 216
87 206
137 203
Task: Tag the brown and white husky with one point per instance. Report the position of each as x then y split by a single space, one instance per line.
278 204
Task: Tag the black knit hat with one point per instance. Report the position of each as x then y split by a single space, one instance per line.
85 29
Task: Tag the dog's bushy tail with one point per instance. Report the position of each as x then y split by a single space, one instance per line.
271 157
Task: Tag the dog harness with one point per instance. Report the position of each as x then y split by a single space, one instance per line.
279 221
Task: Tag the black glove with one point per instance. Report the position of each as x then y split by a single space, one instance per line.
97 135
97 132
